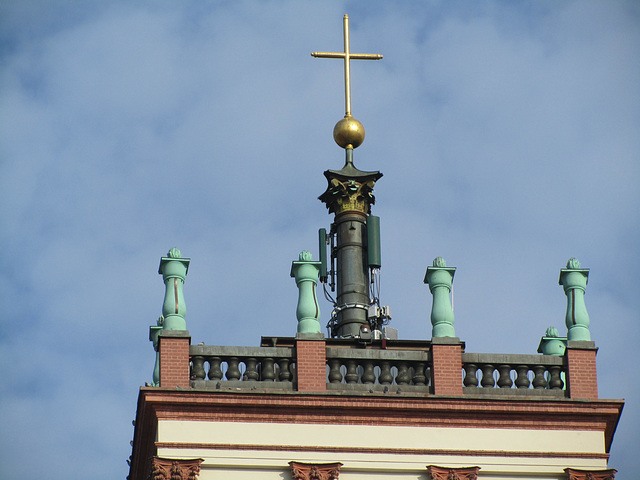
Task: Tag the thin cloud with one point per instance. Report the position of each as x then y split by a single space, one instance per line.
506 135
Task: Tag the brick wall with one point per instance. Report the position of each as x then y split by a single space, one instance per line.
582 376
446 373
174 358
311 363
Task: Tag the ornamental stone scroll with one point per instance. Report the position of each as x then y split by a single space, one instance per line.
315 471
449 473
175 469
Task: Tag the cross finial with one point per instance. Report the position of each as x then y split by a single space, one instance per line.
347 56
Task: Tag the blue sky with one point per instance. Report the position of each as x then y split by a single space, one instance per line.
507 134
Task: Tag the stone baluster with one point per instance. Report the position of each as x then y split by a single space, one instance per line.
440 279
574 281
539 382
487 376
504 380
352 372
233 368
306 273
368 374
285 372
268 369
251 369
197 370
215 368
385 377
335 375
173 269
403 374
419 377
522 378
555 379
470 379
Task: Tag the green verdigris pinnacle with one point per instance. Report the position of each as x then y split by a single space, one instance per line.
306 273
174 271
574 281
440 279
154 333
552 343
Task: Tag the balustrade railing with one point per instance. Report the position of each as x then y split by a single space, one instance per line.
513 374
373 370
378 370
241 367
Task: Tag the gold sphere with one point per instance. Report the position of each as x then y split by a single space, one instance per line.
348 133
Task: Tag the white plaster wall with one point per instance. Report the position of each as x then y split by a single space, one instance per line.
273 462
381 437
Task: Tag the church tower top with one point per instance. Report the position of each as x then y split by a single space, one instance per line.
349 195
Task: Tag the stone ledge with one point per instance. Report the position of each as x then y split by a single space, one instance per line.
581 345
241 352
241 385
378 389
512 359
338 353
514 392
310 336
175 334
446 341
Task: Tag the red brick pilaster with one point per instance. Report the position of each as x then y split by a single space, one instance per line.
582 376
446 371
174 358
311 362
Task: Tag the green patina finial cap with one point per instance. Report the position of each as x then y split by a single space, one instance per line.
174 255
439 262
552 332
552 343
573 263
305 256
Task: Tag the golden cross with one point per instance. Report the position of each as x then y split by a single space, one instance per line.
347 57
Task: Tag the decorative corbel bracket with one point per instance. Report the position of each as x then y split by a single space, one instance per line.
315 471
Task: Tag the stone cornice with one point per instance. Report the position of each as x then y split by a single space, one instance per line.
381 450
426 411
